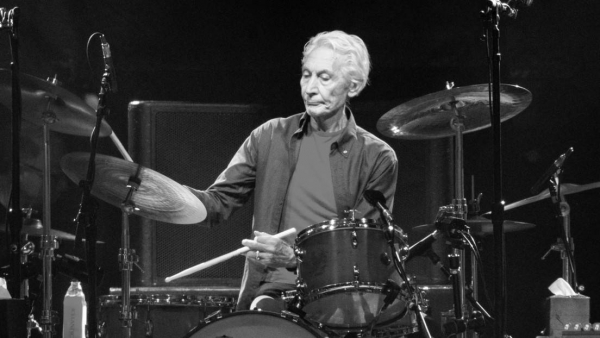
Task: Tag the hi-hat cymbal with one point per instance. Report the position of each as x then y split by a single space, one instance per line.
430 116
73 115
482 226
158 197
565 189
33 227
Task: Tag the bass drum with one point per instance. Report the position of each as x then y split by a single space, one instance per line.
255 324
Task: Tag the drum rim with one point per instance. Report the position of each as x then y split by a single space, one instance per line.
334 224
285 315
397 332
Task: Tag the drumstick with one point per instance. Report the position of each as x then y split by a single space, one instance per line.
223 258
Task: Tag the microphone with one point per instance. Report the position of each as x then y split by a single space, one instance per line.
557 165
377 199
526 2
423 245
475 323
108 63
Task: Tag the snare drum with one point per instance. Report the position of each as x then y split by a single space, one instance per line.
255 324
343 267
163 312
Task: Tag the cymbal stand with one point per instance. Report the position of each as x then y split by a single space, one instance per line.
459 210
49 243
127 256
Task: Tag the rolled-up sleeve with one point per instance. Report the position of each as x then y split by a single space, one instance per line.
234 186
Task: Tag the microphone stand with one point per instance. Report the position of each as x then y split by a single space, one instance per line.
10 20
414 303
563 212
86 216
492 25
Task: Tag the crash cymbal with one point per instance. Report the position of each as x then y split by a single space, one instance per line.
158 197
482 227
565 189
430 116
73 115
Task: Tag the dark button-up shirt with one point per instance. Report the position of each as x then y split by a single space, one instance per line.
264 165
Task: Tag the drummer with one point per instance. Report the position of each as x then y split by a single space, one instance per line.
305 168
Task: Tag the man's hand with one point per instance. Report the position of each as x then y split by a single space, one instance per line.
269 250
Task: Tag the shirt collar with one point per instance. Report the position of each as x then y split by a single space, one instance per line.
346 139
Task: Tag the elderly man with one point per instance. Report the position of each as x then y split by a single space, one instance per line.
305 168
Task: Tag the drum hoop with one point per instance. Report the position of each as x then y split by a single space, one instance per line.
170 300
331 289
287 316
335 224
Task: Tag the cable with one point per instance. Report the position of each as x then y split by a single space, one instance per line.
87 52
473 245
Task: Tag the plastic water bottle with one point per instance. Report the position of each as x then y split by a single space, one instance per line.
74 312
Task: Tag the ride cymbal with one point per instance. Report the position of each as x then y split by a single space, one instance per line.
44 100
431 116
158 197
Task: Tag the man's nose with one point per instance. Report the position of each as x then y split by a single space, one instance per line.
311 85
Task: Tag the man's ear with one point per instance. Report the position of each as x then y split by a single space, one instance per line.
354 89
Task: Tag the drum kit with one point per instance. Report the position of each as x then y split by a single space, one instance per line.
350 282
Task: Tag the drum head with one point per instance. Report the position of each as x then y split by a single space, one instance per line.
255 324
344 307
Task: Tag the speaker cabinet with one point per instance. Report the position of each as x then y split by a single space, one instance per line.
191 144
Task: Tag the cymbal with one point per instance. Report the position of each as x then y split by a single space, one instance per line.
482 226
430 116
565 189
158 197
33 227
73 115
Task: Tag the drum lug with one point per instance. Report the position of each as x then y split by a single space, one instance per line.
300 285
385 259
299 253
101 329
149 328
354 239
356 277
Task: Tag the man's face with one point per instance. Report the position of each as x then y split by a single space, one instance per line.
323 88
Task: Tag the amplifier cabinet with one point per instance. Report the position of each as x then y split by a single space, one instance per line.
190 143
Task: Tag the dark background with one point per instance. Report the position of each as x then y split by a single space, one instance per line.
250 52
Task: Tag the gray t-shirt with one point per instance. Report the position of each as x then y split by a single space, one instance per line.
310 198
